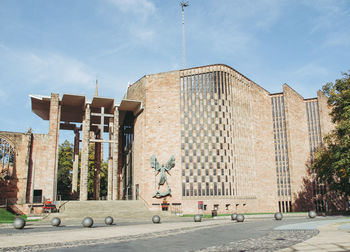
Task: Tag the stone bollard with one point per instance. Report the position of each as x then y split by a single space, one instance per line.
19 223
156 219
312 214
88 222
109 220
240 217
56 221
278 216
197 218
233 216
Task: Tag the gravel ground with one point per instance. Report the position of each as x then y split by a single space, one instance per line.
274 240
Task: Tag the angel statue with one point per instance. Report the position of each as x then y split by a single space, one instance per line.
163 178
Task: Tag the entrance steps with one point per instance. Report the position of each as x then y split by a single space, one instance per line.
126 210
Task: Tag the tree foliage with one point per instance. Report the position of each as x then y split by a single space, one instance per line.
332 160
64 171
91 174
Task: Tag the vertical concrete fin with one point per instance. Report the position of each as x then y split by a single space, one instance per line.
325 119
85 155
298 140
75 162
54 124
115 153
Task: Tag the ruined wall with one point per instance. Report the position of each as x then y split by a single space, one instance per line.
40 159
31 162
16 188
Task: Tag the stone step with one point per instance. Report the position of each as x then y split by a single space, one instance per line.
120 209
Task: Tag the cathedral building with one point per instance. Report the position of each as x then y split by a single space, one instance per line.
198 139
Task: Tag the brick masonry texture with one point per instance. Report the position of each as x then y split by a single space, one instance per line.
158 130
216 122
31 162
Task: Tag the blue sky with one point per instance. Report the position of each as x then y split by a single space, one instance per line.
62 46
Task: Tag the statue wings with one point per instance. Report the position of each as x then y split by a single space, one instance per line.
154 163
156 166
170 164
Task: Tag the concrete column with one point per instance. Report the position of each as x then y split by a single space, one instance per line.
75 163
97 169
115 145
110 180
110 163
84 170
54 125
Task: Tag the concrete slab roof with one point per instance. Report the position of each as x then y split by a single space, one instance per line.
99 102
73 106
41 106
130 105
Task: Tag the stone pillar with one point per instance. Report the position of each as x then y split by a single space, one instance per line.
54 125
97 169
115 139
75 163
84 170
110 163
110 179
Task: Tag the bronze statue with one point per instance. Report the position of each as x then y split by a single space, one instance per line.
162 169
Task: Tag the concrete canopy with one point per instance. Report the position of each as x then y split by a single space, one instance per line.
41 106
73 107
130 105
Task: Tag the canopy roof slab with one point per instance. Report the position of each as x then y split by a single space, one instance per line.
131 105
41 106
73 108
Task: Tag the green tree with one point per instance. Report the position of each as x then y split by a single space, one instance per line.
64 171
332 160
91 174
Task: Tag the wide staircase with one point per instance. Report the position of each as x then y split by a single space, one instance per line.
122 210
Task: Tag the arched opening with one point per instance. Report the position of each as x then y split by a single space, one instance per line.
8 180
7 160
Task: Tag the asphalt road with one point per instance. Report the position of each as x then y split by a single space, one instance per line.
192 240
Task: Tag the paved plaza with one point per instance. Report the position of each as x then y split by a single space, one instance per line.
256 233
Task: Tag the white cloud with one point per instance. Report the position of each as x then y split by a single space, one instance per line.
311 70
55 69
329 14
142 34
140 7
254 14
337 39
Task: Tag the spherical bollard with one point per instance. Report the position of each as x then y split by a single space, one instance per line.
156 219
88 222
278 216
109 220
233 216
312 214
19 223
55 221
240 217
197 218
